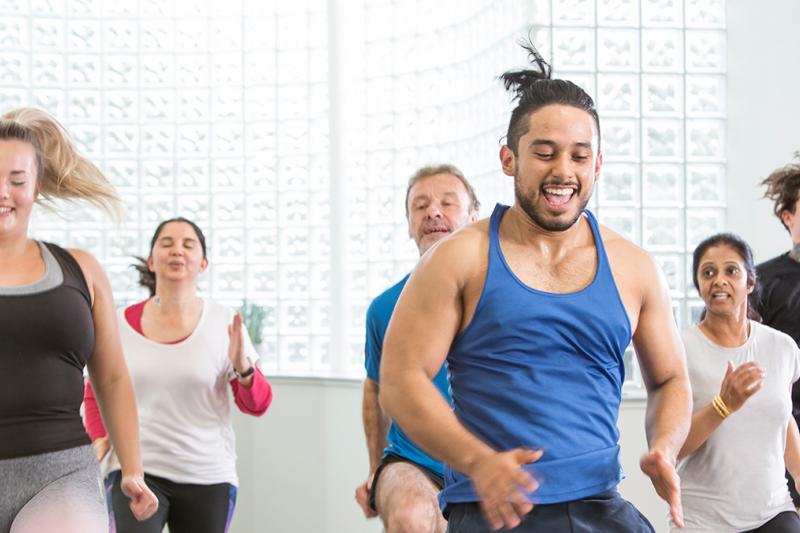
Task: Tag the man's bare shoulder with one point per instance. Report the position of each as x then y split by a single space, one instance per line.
462 253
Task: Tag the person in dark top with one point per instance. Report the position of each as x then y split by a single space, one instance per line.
56 317
780 276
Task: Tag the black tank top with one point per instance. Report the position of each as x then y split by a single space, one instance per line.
46 337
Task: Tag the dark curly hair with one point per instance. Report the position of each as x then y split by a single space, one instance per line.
783 186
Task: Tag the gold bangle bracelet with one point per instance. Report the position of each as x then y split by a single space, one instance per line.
719 406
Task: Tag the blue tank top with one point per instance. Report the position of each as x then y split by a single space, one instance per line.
543 371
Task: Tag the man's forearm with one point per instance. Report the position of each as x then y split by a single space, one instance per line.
669 415
376 423
415 403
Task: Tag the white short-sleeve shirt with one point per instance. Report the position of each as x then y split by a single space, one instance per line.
735 481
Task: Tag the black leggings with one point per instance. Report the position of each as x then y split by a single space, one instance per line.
785 522
185 507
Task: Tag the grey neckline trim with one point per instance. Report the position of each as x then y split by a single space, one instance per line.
53 276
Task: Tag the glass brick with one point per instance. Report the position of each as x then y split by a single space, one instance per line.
121 35
705 14
623 221
663 230
705 140
662 140
705 185
705 96
47 34
618 95
662 95
663 185
662 13
621 139
574 50
618 50
662 50
618 13
619 184
702 223
705 51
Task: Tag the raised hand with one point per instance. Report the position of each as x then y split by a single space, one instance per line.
503 486
740 384
143 502
664 477
236 344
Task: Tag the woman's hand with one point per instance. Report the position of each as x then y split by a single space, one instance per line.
740 384
101 447
143 503
236 345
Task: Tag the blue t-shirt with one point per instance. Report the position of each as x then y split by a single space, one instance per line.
378 315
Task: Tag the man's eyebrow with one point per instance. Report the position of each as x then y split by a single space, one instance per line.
548 142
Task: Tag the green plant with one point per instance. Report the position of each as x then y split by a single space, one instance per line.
253 316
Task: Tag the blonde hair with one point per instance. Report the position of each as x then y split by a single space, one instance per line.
62 173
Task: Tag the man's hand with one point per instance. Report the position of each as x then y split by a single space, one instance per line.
101 446
143 503
362 497
502 486
665 479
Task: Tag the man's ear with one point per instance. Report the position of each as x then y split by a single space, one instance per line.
508 160
597 166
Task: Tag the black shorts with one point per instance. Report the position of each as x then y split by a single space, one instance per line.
390 458
603 513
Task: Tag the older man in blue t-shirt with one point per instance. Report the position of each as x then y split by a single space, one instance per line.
403 481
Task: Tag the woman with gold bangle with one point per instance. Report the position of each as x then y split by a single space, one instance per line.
742 435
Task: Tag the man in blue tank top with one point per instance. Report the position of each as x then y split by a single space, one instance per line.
533 310
403 481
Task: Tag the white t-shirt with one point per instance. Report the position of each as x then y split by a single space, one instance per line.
735 480
183 398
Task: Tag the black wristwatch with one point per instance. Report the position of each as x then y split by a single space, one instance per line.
247 373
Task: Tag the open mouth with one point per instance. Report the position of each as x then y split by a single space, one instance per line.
720 296
558 195
6 211
437 230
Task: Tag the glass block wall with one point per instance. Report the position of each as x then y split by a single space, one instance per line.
429 93
288 130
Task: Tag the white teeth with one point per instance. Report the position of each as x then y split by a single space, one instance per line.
5 210
559 192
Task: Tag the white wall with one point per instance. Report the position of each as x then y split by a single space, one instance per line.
299 464
763 113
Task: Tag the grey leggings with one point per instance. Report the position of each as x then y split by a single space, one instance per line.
58 491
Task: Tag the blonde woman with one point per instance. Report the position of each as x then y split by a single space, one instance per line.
56 317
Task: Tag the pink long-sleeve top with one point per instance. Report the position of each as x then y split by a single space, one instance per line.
253 400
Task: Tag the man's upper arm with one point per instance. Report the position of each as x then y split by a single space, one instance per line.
657 341
428 313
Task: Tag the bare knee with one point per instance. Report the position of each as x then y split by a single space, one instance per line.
414 514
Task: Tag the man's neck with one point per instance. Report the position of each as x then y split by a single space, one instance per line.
794 253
